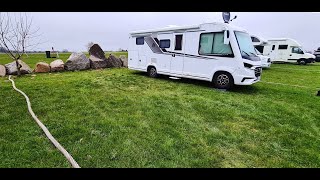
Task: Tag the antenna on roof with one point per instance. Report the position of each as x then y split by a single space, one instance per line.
226 17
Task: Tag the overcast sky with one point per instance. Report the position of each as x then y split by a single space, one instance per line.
73 30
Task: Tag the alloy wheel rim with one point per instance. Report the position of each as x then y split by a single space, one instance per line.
223 80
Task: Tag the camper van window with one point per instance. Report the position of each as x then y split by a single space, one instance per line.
139 40
297 50
283 47
245 44
254 39
178 45
260 48
273 47
165 43
212 44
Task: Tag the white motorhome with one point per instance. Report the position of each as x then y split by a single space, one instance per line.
285 50
215 52
258 43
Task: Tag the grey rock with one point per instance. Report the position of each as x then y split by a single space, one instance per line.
57 65
124 60
11 68
96 51
113 61
2 71
97 63
77 61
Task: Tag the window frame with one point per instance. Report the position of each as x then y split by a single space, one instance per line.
217 55
141 37
175 42
281 47
164 40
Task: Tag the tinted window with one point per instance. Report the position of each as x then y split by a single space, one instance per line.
178 45
139 40
165 43
157 40
212 44
254 39
283 47
260 48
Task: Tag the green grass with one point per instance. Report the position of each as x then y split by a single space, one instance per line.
121 118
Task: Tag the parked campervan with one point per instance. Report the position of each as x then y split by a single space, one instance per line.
215 52
285 50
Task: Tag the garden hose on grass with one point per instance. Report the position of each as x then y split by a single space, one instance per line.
45 130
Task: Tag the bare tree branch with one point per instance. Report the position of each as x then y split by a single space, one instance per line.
16 33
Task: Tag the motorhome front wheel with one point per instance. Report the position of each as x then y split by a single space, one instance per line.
302 61
223 80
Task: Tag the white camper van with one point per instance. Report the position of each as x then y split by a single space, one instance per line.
286 50
215 52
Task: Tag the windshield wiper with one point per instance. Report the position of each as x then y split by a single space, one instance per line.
253 53
245 52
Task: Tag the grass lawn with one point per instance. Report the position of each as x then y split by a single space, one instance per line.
121 118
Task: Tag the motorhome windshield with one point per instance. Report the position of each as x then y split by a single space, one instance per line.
246 47
297 50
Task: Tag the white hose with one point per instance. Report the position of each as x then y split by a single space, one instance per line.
45 130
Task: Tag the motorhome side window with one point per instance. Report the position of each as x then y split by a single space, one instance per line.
178 45
283 47
212 44
139 40
165 43
273 47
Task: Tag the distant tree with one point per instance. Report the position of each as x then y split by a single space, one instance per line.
65 50
89 45
15 35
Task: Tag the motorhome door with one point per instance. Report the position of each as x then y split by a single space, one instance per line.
165 43
177 54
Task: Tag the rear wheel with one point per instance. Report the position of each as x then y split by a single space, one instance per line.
223 80
152 72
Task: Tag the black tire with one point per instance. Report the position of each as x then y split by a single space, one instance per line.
152 72
223 80
302 61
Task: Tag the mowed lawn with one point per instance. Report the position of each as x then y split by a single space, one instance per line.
122 118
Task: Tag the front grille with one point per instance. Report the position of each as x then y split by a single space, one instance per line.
257 71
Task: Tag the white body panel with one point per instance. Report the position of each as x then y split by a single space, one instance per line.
188 62
265 61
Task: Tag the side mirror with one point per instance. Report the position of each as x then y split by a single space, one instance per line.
226 39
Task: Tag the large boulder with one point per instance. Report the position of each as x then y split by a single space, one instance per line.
124 60
96 51
77 61
113 61
42 67
97 58
97 63
12 68
2 71
57 65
